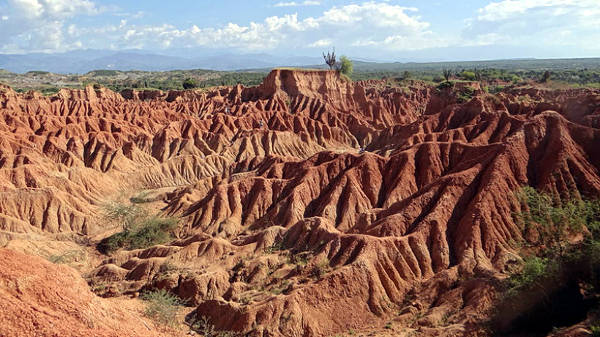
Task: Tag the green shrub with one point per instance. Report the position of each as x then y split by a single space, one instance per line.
49 91
465 95
190 83
555 219
113 242
534 269
320 268
556 286
468 75
103 72
161 306
141 198
496 89
445 85
125 215
545 77
148 232
67 257
204 326
447 73
153 231
346 67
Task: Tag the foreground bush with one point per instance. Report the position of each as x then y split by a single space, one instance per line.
161 307
150 232
140 229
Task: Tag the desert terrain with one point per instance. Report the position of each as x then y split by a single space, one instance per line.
307 206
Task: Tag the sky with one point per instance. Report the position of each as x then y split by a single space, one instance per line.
378 30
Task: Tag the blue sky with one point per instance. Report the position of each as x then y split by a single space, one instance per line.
378 29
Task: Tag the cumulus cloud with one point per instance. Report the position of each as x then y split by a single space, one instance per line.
295 4
543 22
375 23
321 43
39 25
380 26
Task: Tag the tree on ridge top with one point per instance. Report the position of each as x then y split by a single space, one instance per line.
330 59
345 66
190 83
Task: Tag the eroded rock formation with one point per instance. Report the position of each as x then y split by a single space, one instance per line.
309 205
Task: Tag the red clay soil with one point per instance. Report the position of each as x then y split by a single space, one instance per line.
287 229
39 298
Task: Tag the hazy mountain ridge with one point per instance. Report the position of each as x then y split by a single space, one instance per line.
84 61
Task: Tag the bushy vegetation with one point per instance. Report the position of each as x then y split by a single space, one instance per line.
190 83
68 257
447 73
140 230
557 284
149 232
345 66
465 94
104 72
142 198
556 219
445 85
230 79
161 306
37 72
204 326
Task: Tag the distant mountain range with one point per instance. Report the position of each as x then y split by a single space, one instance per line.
84 61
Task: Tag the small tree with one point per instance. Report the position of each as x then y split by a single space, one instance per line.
345 66
447 74
162 306
545 77
468 75
478 75
330 59
190 83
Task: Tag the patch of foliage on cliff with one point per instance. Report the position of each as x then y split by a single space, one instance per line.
557 284
345 66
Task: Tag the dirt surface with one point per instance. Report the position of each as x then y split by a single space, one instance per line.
40 298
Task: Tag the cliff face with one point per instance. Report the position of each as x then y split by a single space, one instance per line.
286 227
325 85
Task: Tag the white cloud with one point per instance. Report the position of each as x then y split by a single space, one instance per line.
295 4
374 25
376 15
39 25
382 23
321 43
535 22
377 27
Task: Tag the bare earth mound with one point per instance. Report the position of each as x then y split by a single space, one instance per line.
308 206
39 298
